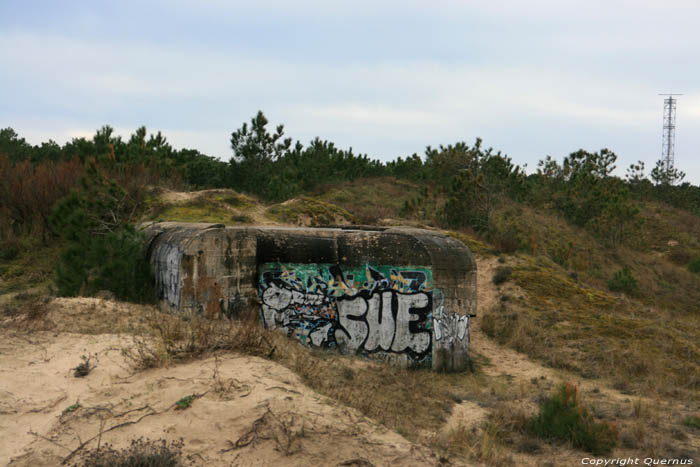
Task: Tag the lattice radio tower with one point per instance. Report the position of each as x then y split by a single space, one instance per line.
668 140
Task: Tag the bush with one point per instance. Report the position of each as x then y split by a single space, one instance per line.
102 250
9 250
502 274
115 262
124 269
692 422
680 255
28 192
623 281
141 453
694 265
562 418
508 240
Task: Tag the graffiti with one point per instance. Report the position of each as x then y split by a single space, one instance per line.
367 310
450 328
167 259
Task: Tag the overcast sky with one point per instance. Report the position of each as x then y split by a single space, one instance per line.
388 78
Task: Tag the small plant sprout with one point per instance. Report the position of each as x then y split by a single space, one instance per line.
184 403
72 408
86 366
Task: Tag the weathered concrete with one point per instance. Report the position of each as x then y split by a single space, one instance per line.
404 295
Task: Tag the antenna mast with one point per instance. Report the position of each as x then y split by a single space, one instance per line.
668 140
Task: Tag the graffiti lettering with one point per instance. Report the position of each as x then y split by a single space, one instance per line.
450 327
383 322
365 310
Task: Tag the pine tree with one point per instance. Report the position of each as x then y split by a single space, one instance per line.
102 251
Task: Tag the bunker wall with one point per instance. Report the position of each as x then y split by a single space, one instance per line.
402 295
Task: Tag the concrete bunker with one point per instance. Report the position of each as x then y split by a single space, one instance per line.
399 294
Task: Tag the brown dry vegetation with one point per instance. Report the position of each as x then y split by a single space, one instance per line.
309 212
371 201
643 343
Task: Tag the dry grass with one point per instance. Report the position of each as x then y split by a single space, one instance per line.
310 212
580 328
475 245
26 312
199 209
30 268
141 452
173 339
657 253
370 199
493 441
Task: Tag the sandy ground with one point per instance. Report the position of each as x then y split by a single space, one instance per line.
246 411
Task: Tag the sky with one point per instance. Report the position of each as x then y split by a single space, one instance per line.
387 78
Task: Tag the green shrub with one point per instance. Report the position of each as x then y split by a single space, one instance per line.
102 251
502 274
623 281
562 418
115 262
694 265
9 251
692 422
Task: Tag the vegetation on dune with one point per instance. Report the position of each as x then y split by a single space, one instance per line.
309 211
199 209
141 452
571 325
562 417
102 249
371 200
623 281
411 401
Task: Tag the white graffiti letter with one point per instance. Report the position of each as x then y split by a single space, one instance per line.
380 322
356 330
277 297
404 339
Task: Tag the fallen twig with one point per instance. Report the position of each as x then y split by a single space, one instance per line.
51 405
34 433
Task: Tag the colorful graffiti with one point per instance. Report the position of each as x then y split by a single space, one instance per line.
366 310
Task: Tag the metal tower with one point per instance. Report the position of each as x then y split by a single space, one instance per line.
668 140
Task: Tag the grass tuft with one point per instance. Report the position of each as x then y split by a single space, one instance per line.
563 418
692 422
141 453
183 338
624 281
